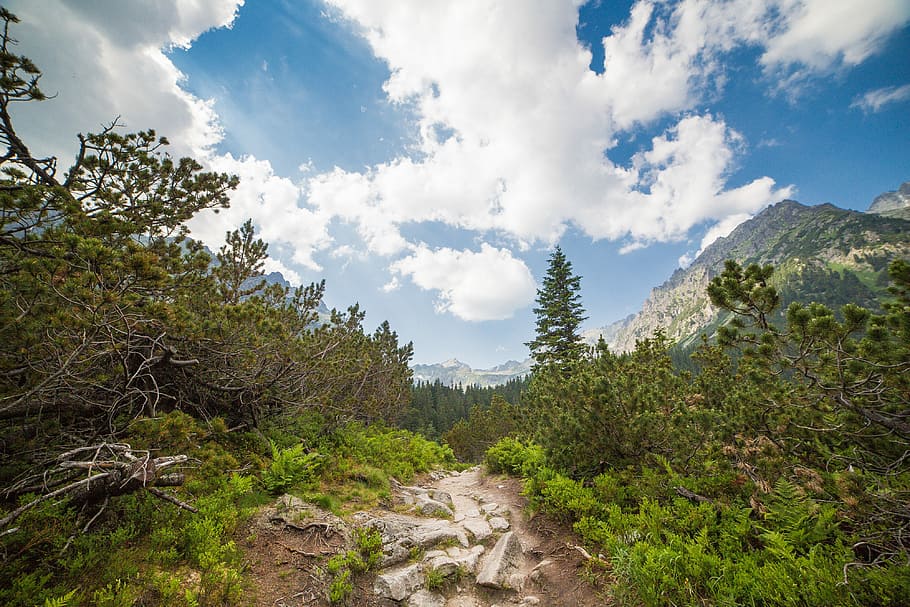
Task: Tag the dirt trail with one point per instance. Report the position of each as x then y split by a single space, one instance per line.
543 540
453 540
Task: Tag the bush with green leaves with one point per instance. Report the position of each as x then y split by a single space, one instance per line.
513 456
290 467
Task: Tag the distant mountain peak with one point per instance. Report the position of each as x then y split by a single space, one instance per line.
894 204
454 372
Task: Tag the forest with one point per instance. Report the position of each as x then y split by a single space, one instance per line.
153 396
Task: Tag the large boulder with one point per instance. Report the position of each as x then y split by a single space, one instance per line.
501 568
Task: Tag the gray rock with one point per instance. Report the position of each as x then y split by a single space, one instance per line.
501 567
398 584
425 598
443 564
489 507
498 523
402 533
478 527
466 559
442 497
430 507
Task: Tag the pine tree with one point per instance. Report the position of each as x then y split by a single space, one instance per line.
559 316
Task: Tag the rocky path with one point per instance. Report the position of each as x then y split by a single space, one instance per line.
458 540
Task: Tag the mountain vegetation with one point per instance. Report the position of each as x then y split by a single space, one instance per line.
776 474
154 397
821 253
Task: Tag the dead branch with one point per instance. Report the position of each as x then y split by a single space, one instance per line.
110 469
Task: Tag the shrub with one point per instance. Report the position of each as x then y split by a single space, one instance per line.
290 467
512 456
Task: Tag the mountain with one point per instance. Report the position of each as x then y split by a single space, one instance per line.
454 372
821 253
893 204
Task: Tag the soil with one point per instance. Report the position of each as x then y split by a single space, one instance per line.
286 567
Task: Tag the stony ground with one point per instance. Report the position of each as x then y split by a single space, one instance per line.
455 540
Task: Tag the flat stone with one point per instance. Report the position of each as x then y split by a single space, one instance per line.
498 523
442 497
426 598
501 567
430 507
402 533
489 507
398 584
478 527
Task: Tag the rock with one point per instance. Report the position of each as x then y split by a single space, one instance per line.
430 507
442 497
467 559
290 513
537 574
489 507
425 598
398 584
401 534
501 567
478 527
499 524
530 600
443 564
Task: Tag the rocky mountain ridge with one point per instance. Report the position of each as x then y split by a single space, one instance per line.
453 372
893 204
822 253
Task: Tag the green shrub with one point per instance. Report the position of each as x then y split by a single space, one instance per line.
290 467
512 456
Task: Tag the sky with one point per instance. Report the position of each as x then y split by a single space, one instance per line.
425 156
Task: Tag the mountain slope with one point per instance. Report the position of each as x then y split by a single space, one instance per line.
822 253
453 372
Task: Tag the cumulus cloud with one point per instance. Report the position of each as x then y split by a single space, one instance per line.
104 61
513 130
489 284
273 203
820 34
874 101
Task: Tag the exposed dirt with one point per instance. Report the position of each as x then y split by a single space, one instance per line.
287 562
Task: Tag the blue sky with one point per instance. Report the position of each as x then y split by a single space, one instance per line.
424 157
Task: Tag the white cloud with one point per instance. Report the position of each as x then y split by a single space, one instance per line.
874 101
512 135
514 129
104 61
486 285
272 202
820 34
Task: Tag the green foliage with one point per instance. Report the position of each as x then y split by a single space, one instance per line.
559 312
397 453
434 579
772 477
345 565
290 467
512 456
470 438
436 408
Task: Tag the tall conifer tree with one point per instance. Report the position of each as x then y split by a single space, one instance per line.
559 316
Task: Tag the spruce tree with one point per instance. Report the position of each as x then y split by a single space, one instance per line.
559 316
